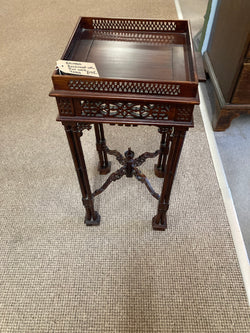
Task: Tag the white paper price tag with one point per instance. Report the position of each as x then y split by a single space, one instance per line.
77 67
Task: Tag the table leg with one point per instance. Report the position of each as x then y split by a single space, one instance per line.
159 221
74 133
164 148
104 165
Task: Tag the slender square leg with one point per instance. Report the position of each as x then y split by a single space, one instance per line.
104 165
74 132
159 221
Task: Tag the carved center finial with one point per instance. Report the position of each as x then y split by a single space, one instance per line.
129 154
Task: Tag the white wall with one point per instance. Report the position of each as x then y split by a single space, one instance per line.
209 25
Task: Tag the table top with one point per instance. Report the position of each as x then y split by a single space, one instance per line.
133 57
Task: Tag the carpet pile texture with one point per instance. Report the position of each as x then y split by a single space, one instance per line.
56 274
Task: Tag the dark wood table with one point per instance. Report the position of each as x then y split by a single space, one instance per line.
147 76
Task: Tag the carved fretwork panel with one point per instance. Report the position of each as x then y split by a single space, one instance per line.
184 113
65 106
141 25
123 110
125 87
138 37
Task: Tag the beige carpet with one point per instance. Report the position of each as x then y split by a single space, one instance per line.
56 274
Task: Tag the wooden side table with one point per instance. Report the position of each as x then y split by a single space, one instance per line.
147 77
